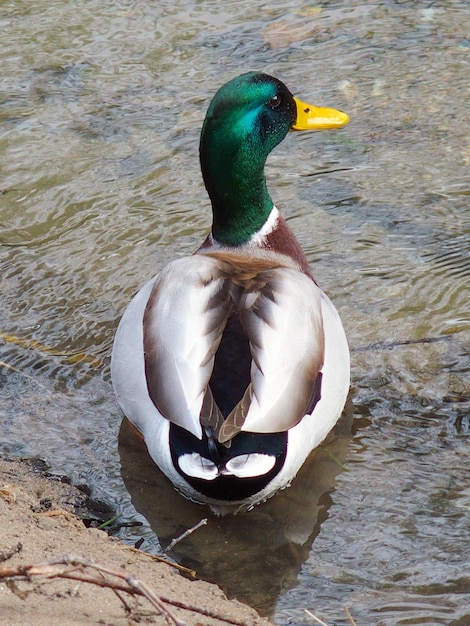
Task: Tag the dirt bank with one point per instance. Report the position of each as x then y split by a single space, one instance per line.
39 524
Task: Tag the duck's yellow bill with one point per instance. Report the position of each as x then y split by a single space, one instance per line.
318 118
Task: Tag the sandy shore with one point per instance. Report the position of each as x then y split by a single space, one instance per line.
39 524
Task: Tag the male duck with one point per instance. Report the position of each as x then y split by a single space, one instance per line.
233 363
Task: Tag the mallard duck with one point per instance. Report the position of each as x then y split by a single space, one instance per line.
232 363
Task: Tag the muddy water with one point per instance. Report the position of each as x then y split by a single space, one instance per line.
100 109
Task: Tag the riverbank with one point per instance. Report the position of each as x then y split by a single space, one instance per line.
41 522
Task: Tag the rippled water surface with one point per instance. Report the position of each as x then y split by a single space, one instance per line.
100 109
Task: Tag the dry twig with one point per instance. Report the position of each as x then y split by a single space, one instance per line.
317 619
77 568
18 371
181 568
186 533
350 617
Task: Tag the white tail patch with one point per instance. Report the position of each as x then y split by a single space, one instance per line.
250 465
197 466
242 466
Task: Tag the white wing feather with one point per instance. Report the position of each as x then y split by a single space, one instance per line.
285 328
183 324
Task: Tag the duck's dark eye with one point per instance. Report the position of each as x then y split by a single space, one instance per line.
275 101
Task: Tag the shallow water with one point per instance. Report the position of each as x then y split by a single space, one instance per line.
100 109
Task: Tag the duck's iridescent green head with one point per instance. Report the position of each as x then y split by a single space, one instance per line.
246 119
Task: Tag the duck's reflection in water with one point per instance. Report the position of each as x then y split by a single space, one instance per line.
252 556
